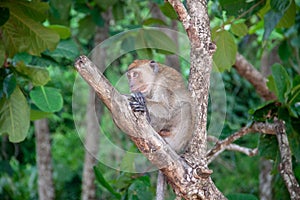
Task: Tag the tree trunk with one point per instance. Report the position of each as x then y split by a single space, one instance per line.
91 148
44 164
94 111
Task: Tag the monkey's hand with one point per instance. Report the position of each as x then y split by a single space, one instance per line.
138 104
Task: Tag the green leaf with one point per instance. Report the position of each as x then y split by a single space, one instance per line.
140 189
288 19
145 53
240 196
118 11
225 55
239 7
127 163
268 147
271 83
294 98
87 27
37 75
105 4
271 19
14 116
21 33
154 39
152 21
284 51
63 31
22 57
9 84
295 42
60 12
4 15
239 29
65 49
168 10
279 5
282 82
37 114
2 53
47 99
264 111
104 183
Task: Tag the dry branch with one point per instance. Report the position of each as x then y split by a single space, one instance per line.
246 70
265 128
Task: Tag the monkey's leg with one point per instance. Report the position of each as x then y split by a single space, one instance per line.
138 104
160 186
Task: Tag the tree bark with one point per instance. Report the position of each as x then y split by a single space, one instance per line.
246 70
285 166
91 148
43 148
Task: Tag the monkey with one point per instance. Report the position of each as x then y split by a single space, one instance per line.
160 92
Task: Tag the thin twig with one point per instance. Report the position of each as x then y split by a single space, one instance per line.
265 128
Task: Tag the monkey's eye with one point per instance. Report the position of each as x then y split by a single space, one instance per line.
135 74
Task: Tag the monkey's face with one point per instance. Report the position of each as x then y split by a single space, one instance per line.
141 79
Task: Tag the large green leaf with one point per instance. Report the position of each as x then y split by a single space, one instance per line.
21 33
239 29
140 189
37 114
279 5
87 27
2 53
288 18
100 178
155 39
168 10
271 19
282 82
224 57
4 15
37 75
63 31
60 12
268 147
47 99
14 116
65 49
239 7
9 84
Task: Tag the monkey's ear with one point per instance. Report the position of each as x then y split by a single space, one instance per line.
154 66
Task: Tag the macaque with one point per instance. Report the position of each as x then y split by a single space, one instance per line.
160 92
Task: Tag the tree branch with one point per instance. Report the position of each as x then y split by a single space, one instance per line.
285 166
246 70
197 26
179 174
220 146
232 147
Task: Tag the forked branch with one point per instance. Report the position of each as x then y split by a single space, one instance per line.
179 174
265 128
